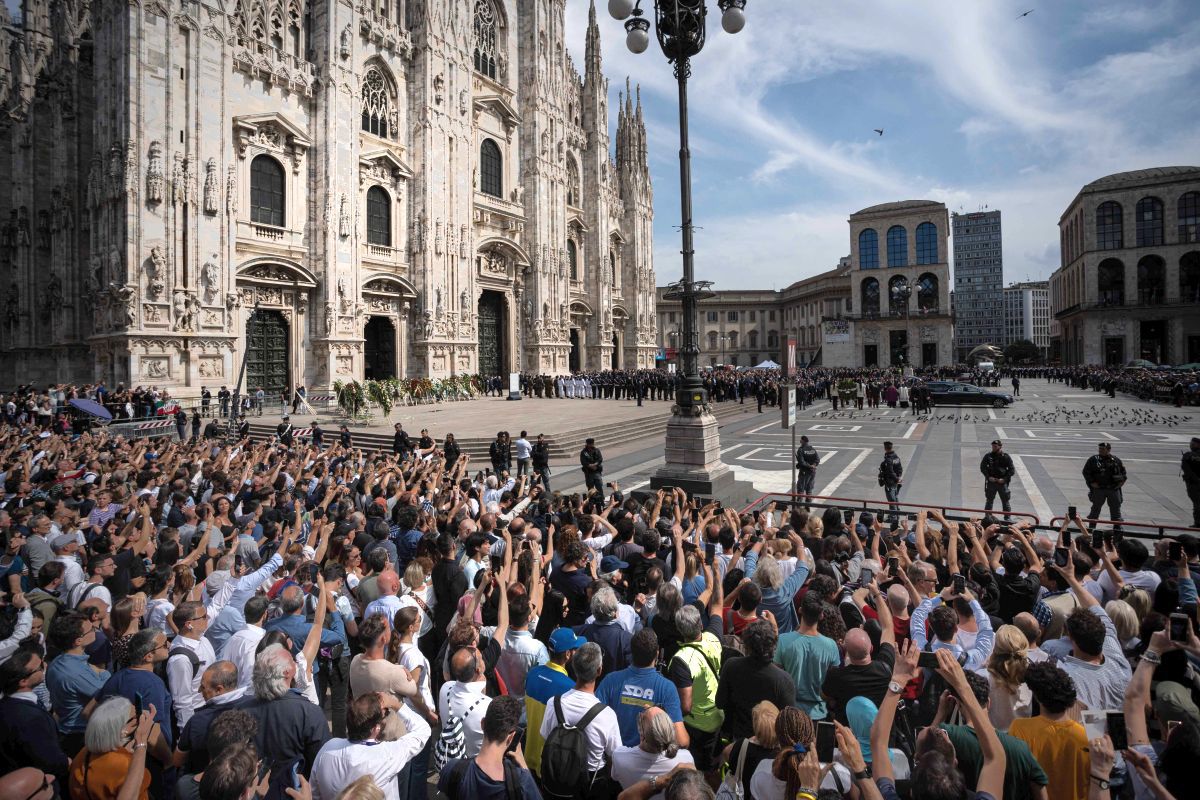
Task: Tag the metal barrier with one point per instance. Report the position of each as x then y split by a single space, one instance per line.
139 430
886 507
1056 522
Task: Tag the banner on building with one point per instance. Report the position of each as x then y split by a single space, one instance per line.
837 331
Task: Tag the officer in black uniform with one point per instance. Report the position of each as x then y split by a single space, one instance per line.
807 460
891 478
592 462
344 437
243 428
1191 478
997 468
318 436
284 430
539 454
401 444
1105 475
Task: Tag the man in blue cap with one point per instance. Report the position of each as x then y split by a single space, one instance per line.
544 682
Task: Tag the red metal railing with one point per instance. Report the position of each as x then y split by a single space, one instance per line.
1160 528
887 508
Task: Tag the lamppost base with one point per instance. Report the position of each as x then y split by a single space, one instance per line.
693 455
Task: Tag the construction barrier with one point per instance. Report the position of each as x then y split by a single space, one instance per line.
142 430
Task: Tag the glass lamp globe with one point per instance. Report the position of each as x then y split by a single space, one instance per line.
620 9
637 41
733 20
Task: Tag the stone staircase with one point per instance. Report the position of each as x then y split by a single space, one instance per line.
564 445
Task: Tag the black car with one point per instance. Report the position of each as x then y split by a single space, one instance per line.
954 393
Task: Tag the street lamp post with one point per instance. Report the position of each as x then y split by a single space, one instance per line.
693 455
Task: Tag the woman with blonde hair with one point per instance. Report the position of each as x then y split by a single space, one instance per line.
417 591
1005 673
1125 620
763 745
1138 599
362 789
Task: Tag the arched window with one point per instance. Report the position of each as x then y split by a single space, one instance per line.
1110 280
753 337
927 292
1189 278
897 243
573 192
379 217
572 260
1152 281
1108 227
733 340
868 249
1149 222
870 297
266 191
490 169
1189 217
612 267
898 294
927 244
485 38
378 109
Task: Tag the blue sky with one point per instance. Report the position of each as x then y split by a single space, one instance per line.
977 106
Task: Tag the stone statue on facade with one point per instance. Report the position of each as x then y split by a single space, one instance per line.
231 199
211 204
155 271
12 306
344 217
178 187
43 229
437 302
126 300
209 278
154 174
330 315
53 297
343 296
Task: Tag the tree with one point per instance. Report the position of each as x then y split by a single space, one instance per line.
1022 351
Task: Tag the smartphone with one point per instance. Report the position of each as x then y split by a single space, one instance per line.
893 566
1179 627
1072 512
927 660
710 553
294 775
826 741
848 514
960 584
912 517
1115 722
1062 557
314 569
1174 550
137 705
1097 540
866 576
1066 539
237 563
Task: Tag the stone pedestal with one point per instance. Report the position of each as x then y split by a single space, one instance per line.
693 454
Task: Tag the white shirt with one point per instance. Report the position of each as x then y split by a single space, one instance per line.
158 613
603 733
184 686
92 590
72 573
633 764
466 702
426 595
412 659
765 786
240 649
341 761
1142 579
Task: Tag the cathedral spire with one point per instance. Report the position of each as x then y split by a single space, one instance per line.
592 48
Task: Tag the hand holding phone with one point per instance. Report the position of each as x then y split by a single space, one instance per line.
1174 550
1179 627
1115 722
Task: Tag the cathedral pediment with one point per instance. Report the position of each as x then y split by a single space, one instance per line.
383 162
273 130
497 105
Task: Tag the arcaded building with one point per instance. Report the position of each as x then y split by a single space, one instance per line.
405 188
1128 286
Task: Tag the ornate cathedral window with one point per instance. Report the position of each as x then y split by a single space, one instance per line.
573 192
572 260
377 110
485 38
379 217
490 169
266 191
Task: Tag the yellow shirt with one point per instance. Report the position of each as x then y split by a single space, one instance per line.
1060 746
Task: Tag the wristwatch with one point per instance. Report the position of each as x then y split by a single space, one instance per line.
865 775
895 688
1101 782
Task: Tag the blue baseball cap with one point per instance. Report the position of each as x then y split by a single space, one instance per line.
564 639
611 564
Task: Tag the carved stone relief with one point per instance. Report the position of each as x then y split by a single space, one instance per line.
211 367
155 367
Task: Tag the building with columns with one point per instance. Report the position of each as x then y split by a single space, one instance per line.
1128 284
410 188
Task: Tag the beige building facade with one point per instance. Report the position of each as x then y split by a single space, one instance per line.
1128 286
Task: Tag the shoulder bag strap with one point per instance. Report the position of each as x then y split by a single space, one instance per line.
558 715
737 773
586 719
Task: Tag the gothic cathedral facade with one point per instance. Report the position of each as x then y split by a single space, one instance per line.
334 190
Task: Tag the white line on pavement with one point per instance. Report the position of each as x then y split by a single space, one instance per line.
908 434
1081 458
833 485
991 413
1035 495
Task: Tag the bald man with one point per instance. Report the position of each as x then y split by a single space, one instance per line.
219 688
463 698
27 783
387 603
862 674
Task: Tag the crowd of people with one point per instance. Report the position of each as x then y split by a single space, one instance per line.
225 621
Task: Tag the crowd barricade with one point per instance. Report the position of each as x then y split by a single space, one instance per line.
1143 530
883 507
147 429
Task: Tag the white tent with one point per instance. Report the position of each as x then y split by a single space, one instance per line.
768 364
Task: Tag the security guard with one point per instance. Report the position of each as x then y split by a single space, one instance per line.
997 468
807 460
1191 478
1105 475
284 431
891 478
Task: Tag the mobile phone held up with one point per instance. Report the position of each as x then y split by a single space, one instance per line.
960 584
1179 627
1116 730
710 553
1174 550
826 741
1062 557
927 660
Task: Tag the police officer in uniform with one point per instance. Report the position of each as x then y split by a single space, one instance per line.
1191 478
807 460
1105 475
891 478
592 462
997 468
284 430
318 436
540 456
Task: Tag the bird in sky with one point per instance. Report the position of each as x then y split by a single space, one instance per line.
879 131
1026 14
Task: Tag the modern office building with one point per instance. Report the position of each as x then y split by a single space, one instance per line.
978 281
1027 314
1128 286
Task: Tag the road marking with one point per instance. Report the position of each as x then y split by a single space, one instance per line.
911 428
833 485
1077 458
1035 495
991 413
838 428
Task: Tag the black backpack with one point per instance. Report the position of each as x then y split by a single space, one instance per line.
512 779
565 755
